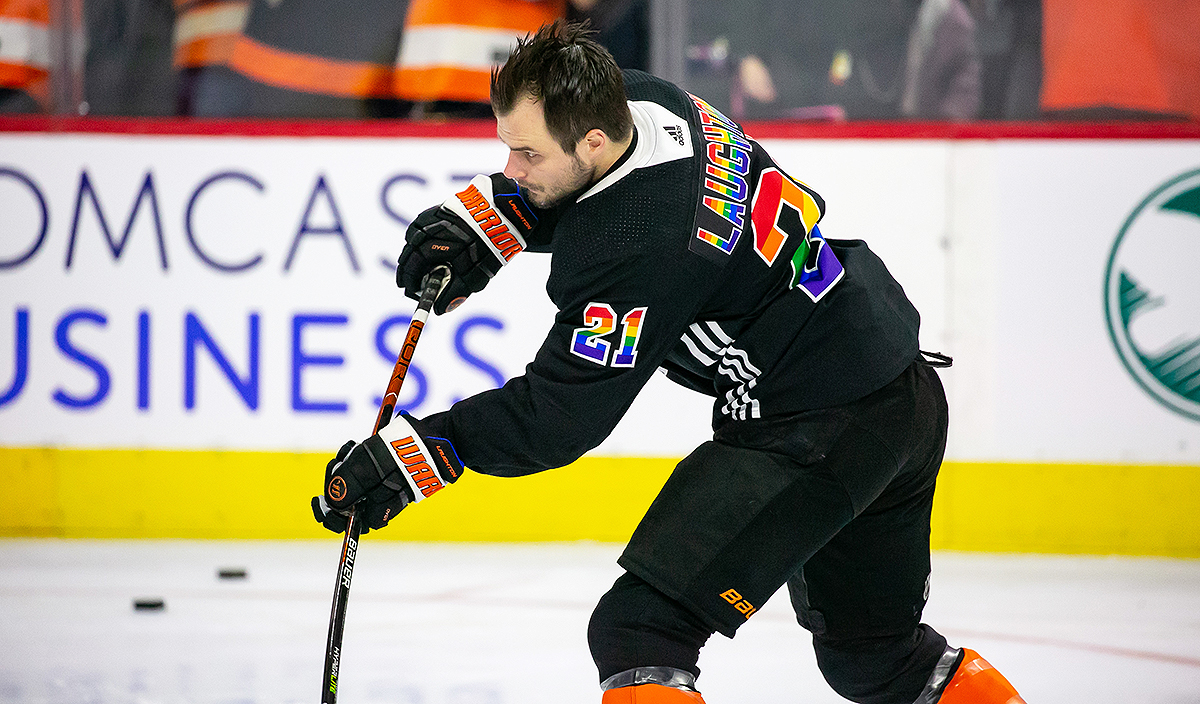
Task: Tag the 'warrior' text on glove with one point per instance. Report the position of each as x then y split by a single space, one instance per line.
389 470
475 232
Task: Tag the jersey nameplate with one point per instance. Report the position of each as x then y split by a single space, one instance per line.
721 212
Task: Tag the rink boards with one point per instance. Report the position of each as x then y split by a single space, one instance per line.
191 320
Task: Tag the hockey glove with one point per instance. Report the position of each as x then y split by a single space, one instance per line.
397 466
475 232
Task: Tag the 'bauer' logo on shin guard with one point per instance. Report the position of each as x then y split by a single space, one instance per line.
417 466
743 606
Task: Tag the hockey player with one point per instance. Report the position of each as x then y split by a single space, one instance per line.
678 243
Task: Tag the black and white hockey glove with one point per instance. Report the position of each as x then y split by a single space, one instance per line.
397 466
475 232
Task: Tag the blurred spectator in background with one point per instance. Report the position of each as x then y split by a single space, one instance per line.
1122 59
1009 36
127 64
306 58
369 58
758 59
853 59
449 48
205 34
24 56
622 27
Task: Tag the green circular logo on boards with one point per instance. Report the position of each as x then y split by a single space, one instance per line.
1152 294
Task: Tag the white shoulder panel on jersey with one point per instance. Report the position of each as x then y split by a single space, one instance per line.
662 136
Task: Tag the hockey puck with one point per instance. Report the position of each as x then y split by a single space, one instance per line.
149 604
231 573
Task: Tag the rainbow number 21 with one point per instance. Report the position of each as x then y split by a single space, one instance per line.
599 320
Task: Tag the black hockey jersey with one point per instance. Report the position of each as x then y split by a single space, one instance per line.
698 254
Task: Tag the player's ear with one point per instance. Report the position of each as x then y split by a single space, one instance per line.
592 144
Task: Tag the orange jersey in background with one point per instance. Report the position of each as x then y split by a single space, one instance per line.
449 47
25 47
1131 54
207 30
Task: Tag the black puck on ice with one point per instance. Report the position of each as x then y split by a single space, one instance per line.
232 573
149 604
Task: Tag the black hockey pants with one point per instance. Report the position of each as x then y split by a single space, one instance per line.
835 503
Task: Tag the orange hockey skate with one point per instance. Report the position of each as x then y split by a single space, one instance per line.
651 685
651 694
977 682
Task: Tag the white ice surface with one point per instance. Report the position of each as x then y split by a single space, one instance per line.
473 624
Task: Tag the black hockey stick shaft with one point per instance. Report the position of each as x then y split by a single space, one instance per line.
434 284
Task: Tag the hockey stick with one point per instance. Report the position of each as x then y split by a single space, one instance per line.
435 283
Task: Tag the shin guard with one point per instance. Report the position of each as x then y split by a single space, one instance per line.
651 685
975 681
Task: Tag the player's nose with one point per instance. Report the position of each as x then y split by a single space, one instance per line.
513 170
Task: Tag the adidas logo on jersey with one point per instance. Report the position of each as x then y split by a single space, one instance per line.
676 133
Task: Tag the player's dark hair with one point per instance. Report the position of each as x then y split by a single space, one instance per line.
575 79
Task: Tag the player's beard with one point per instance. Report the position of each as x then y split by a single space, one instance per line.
577 176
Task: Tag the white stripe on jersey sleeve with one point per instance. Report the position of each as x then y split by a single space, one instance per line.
739 366
704 339
718 332
691 346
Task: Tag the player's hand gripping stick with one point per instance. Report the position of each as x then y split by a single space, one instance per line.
432 288
475 232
